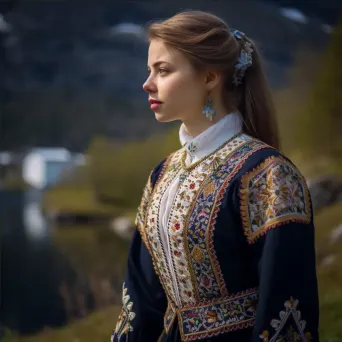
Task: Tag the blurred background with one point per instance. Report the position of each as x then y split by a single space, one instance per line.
78 140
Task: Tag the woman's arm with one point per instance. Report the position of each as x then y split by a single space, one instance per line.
277 220
144 301
143 298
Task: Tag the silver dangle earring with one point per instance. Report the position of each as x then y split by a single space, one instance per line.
209 111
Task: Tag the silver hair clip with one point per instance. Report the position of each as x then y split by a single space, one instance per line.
245 58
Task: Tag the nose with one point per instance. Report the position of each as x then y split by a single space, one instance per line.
149 86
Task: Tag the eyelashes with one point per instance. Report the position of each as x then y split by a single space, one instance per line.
161 71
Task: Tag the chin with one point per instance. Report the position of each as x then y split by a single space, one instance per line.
163 118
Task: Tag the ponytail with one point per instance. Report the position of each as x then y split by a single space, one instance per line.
256 105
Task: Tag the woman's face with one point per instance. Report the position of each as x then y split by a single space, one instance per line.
179 89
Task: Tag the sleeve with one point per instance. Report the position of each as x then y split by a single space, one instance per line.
277 218
143 298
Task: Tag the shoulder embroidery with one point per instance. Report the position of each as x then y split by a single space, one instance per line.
272 194
123 326
289 326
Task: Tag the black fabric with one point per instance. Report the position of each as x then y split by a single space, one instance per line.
280 263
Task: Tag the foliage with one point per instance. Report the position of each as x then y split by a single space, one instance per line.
92 250
74 195
114 175
290 100
321 123
109 183
14 183
308 110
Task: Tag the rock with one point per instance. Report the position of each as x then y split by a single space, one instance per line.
325 190
122 226
336 234
328 260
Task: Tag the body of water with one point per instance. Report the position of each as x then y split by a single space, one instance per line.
34 273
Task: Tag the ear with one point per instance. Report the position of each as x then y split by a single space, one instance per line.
212 79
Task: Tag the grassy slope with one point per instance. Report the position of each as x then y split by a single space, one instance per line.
330 277
97 327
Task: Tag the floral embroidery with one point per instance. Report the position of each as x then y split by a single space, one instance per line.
184 198
192 148
228 314
207 275
272 194
194 276
152 224
140 218
289 328
194 273
169 317
186 204
123 326
142 209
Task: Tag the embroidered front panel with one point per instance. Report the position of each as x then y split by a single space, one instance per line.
140 218
178 226
123 325
152 229
289 327
230 313
206 272
272 194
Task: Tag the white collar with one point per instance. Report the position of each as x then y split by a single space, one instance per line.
212 138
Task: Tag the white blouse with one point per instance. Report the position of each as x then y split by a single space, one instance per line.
197 148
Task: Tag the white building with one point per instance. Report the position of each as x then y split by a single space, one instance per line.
44 166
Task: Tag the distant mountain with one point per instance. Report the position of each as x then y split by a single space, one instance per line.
67 44
57 56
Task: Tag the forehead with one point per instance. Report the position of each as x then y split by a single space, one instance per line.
159 51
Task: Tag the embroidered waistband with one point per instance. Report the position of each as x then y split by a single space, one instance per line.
214 318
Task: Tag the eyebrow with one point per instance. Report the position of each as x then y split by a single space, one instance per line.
157 64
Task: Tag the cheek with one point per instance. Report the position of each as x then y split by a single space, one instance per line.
184 90
173 85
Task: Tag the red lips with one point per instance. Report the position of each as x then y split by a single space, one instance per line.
151 101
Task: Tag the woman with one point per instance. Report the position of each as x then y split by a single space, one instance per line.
224 246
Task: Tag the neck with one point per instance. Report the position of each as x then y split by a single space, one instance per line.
196 127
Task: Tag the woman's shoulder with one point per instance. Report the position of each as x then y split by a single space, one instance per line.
268 170
157 170
264 157
161 167
271 191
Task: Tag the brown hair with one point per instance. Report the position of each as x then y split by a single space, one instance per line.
207 42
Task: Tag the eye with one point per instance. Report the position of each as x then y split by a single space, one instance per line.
162 71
